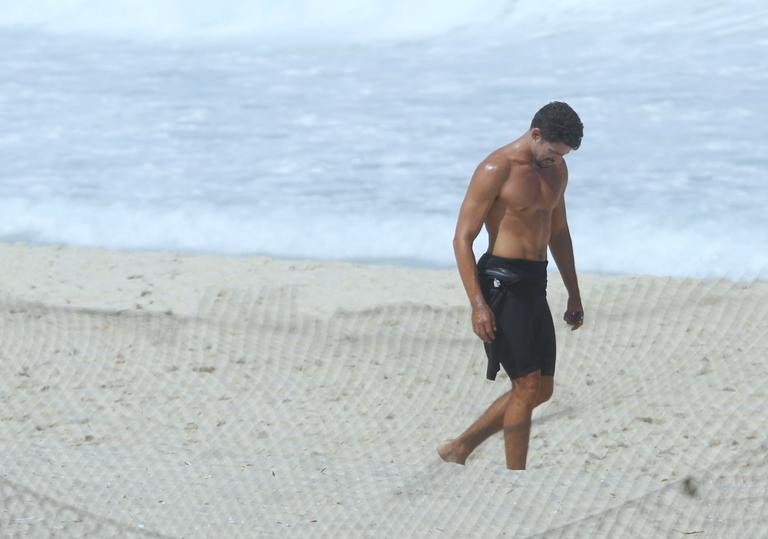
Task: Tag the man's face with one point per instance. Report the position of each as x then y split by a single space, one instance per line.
546 153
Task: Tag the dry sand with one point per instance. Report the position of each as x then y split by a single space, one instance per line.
176 395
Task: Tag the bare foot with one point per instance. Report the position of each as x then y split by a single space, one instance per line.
450 452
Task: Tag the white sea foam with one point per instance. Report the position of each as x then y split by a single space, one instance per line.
302 19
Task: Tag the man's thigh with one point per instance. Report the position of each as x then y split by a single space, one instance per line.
546 386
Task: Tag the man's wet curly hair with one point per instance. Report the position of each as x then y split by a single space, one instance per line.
559 123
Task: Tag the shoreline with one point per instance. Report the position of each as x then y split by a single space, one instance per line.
177 281
400 263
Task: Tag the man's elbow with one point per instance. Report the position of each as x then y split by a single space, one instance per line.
556 235
463 239
461 244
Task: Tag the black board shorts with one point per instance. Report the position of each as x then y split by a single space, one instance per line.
525 333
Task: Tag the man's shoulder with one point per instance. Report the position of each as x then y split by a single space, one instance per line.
503 162
494 167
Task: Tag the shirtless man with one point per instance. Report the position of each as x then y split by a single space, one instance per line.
518 193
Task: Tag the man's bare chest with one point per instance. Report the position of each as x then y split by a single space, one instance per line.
532 190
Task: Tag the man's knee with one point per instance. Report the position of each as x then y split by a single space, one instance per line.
527 386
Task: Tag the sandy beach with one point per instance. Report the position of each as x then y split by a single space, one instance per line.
166 394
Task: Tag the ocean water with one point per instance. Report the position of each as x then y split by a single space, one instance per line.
349 131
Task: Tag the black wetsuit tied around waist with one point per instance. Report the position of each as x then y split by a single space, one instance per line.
516 291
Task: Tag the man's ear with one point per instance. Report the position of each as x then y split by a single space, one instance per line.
536 133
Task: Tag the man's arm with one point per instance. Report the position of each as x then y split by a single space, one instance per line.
483 190
562 250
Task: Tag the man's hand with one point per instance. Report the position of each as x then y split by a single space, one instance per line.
574 316
483 322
